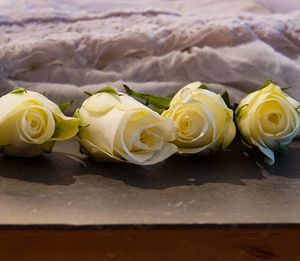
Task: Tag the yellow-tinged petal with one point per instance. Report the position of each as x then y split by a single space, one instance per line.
268 119
96 152
202 118
124 130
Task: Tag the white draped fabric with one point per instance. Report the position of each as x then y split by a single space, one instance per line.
66 47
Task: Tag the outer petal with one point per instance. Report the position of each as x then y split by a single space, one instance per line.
247 100
229 134
96 152
177 97
101 129
167 151
42 100
10 103
294 103
270 158
120 141
102 103
183 150
8 129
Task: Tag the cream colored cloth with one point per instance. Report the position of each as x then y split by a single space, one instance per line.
66 47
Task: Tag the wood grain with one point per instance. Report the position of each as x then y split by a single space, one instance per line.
150 244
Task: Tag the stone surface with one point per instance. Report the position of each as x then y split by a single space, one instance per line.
232 187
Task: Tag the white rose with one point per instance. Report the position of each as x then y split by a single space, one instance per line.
204 122
268 119
117 127
30 124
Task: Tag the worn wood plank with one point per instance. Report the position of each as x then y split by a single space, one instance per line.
150 244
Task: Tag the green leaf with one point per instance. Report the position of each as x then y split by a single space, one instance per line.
18 90
285 88
159 111
158 102
225 97
65 105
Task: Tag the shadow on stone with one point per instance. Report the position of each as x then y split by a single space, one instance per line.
287 164
230 167
52 169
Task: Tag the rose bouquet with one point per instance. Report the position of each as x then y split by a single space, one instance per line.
144 129
267 119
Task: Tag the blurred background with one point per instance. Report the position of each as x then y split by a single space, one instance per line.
66 47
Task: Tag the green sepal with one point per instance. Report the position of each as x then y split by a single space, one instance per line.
18 90
283 147
159 111
225 97
47 146
237 111
65 105
158 102
266 84
88 93
107 89
244 142
203 86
